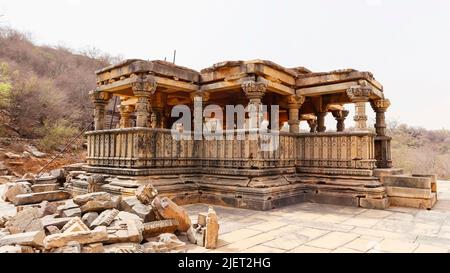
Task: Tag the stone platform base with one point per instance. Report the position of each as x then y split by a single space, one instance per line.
258 193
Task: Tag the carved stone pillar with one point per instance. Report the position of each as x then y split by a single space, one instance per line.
340 116
125 114
359 95
143 88
100 100
380 106
312 125
255 92
382 142
294 104
198 98
158 102
321 122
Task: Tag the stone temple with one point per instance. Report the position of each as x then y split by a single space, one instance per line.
324 165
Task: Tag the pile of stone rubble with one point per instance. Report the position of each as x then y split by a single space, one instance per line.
49 220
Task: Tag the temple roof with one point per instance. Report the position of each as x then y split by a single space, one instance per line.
231 74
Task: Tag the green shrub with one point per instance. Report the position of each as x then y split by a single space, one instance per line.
55 135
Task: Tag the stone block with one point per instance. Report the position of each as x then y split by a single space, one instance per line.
93 248
75 224
212 229
105 218
25 220
407 181
44 187
419 203
121 231
75 212
101 205
124 248
32 238
89 217
13 189
83 237
408 192
169 210
95 196
155 228
146 193
372 203
31 198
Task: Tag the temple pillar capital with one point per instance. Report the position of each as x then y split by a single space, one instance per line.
340 116
125 114
254 90
294 103
359 95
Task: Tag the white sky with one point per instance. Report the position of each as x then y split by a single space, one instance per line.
405 43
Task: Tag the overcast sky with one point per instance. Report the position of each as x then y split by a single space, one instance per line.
405 44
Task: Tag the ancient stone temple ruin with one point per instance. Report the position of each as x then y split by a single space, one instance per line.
324 165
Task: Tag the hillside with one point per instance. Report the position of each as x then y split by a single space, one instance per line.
418 150
43 87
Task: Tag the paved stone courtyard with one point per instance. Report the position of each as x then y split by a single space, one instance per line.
309 227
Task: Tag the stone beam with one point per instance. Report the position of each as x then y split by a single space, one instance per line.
336 88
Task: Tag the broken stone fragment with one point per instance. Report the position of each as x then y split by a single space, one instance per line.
95 182
29 177
37 197
133 205
121 231
146 193
124 248
75 224
47 208
32 238
101 205
93 248
52 229
71 247
3 220
95 196
16 249
200 236
212 229
50 220
44 187
105 218
99 234
89 217
68 204
74 212
165 242
25 220
201 219
11 155
34 151
155 228
167 209
13 189
191 235
123 215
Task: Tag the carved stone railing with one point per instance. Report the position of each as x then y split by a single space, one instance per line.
153 148
349 150
157 148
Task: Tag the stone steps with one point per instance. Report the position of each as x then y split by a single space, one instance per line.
410 190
